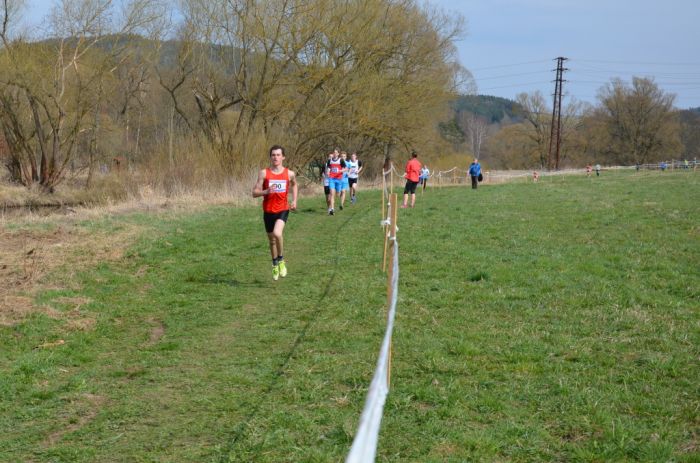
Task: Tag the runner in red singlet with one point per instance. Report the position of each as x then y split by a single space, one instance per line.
273 185
335 168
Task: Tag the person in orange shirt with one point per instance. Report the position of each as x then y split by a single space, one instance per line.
273 185
412 176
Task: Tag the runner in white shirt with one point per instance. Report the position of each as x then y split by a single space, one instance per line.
354 169
424 175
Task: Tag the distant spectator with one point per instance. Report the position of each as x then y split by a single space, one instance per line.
597 170
475 173
663 166
686 164
535 176
589 169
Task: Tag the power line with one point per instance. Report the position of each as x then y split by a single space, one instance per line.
517 85
599 82
636 62
510 65
599 70
512 75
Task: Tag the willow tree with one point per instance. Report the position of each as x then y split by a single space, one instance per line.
310 73
639 121
50 89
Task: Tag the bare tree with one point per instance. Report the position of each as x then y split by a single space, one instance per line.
49 90
537 119
476 130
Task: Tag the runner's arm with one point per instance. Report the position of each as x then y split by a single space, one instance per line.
295 189
257 189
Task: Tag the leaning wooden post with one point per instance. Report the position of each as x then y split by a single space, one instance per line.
385 228
390 276
383 197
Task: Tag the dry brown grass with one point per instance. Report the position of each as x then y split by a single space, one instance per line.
39 253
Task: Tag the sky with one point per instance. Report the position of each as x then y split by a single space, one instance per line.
510 46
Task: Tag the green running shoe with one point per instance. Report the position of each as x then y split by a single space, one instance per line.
283 269
275 272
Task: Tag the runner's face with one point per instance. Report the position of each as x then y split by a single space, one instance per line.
276 158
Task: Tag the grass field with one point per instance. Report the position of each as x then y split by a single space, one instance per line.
556 321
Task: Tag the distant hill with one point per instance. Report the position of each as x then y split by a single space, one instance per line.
493 108
694 110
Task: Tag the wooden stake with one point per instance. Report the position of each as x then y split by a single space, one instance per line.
391 168
393 201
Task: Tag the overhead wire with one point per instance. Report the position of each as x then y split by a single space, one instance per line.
584 71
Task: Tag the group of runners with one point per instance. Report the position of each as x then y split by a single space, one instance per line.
275 183
340 175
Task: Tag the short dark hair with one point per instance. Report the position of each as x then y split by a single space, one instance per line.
414 154
276 147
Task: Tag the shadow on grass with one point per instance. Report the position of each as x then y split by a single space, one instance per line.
223 280
240 432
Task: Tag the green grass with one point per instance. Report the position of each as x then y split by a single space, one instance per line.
536 322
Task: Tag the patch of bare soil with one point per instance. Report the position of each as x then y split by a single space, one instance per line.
34 259
157 331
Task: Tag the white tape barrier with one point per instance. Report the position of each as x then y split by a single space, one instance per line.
364 446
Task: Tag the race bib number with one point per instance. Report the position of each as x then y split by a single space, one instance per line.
278 186
335 170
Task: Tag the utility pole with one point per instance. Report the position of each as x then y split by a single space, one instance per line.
555 136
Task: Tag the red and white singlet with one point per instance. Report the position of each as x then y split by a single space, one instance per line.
335 168
276 200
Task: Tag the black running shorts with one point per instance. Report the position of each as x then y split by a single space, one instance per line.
271 217
410 187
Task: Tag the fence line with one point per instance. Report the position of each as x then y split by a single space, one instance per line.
364 445
441 177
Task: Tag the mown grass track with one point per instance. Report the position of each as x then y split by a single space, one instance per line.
547 322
